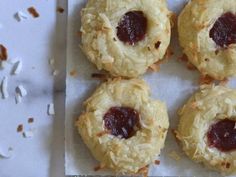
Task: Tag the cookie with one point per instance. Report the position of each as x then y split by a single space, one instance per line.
207 128
125 37
207 33
122 126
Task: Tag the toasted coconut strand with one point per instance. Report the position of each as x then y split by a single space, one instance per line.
174 155
224 82
175 133
144 171
103 133
168 54
99 76
99 167
79 33
194 105
183 58
206 80
173 19
191 67
155 67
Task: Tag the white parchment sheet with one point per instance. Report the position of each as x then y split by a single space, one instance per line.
173 84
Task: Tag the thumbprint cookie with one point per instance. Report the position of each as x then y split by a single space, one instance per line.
207 33
125 37
123 128
207 128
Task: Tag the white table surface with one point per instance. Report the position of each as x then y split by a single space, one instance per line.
35 41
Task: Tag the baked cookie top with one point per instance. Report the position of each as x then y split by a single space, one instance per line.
122 126
207 128
207 33
125 37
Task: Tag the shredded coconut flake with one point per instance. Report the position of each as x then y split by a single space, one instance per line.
18 98
13 61
4 86
174 155
3 64
6 155
21 90
51 110
52 61
55 72
17 67
20 16
28 134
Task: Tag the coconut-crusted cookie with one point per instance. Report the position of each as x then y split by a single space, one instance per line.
123 128
125 37
207 128
207 33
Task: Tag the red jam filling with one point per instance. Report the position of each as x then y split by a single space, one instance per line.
223 31
222 135
122 121
132 27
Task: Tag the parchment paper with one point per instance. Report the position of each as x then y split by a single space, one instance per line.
173 84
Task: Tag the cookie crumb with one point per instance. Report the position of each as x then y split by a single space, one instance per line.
3 53
157 162
20 128
30 120
60 9
33 12
73 73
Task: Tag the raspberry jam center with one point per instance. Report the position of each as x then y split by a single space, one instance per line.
122 121
223 31
222 135
132 27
